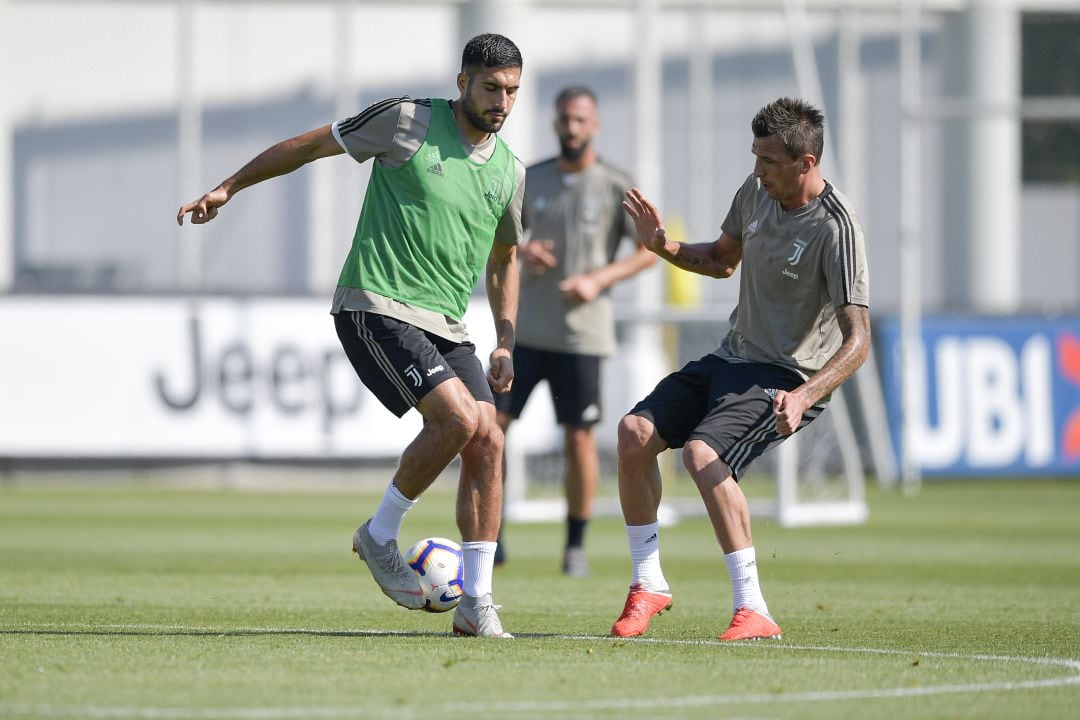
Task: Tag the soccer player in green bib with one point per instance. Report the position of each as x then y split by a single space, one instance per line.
443 207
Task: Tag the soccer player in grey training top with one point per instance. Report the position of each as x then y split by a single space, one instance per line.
801 329
444 199
573 214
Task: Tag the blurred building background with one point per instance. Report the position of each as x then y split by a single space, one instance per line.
116 111
954 126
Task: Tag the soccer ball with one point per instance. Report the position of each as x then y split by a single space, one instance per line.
437 562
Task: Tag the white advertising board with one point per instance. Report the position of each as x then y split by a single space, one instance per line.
192 378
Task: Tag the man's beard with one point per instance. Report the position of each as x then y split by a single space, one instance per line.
573 154
476 118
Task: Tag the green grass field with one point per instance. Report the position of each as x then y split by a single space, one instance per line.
960 602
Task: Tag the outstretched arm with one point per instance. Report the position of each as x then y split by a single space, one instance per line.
716 259
502 292
854 321
279 159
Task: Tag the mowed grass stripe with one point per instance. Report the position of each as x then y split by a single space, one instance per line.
548 706
215 604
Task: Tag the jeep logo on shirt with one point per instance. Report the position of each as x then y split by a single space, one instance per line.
494 193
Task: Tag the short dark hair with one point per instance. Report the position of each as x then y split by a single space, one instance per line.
798 123
490 50
572 92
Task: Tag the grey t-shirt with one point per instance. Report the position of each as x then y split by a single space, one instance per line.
582 214
391 131
797 267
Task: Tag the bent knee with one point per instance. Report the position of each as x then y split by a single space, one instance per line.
487 438
704 464
467 419
697 455
637 436
458 422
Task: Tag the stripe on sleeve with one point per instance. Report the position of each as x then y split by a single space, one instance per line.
358 121
842 216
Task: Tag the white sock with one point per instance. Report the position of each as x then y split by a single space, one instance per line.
746 592
644 541
478 558
386 522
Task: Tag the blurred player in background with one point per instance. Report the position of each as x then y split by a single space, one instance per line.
575 222
444 199
800 329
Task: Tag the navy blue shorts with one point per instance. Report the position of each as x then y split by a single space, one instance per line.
727 405
574 381
400 363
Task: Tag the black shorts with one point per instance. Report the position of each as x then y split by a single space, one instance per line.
400 363
727 405
574 381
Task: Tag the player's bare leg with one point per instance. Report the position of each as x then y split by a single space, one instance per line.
729 512
581 482
479 514
504 420
640 485
640 489
451 419
728 508
480 490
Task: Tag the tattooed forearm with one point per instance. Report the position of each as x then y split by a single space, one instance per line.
854 321
690 261
716 259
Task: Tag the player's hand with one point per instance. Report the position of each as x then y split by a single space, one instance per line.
788 407
501 370
580 288
538 256
647 220
204 209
